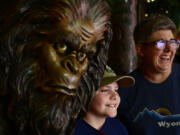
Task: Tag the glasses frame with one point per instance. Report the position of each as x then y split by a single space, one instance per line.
174 44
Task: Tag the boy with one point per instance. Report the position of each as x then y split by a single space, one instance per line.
98 119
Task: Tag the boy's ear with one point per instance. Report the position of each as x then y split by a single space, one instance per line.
139 49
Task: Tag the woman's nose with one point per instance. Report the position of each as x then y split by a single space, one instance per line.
169 47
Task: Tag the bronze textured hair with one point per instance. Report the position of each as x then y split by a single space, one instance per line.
144 29
52 57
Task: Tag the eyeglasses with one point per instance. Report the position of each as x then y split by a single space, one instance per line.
161 44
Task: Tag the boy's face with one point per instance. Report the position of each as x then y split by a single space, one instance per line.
105 101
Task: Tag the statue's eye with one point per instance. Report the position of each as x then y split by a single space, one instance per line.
60 48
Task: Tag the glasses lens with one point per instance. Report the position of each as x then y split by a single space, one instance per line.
178 43
174 43
160 44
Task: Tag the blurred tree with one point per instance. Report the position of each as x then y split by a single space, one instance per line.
122 54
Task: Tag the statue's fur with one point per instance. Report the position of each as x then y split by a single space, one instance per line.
26 110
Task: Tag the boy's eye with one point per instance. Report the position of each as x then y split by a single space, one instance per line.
105 90
116 90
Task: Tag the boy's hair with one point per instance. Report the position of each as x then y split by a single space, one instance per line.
144 29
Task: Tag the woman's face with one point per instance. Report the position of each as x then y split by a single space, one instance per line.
156 60
105 101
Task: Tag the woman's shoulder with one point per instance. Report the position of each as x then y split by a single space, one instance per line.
176 66
176 69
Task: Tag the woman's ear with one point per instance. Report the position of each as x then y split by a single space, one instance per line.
139 49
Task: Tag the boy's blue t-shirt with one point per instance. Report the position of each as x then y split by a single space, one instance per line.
111 127
151 109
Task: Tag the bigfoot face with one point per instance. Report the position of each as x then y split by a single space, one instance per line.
53 55
64 59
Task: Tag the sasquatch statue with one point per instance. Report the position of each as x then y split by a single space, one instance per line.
52 57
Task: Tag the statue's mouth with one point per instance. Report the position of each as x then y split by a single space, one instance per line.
62 89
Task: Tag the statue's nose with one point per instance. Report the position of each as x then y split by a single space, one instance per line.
74 62
70 65
81 56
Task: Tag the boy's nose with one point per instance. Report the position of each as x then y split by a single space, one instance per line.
114 95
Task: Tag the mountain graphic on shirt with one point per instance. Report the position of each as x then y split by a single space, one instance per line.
160 121
159 114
